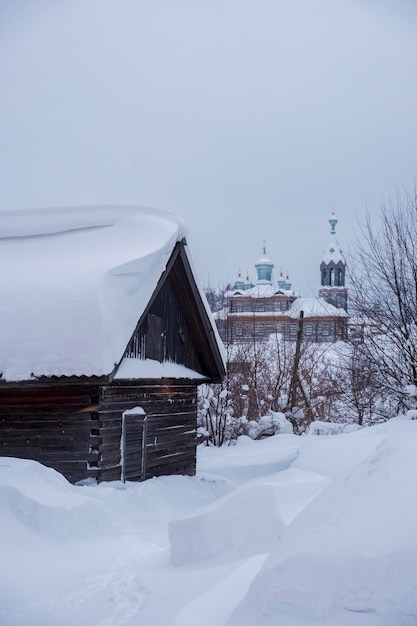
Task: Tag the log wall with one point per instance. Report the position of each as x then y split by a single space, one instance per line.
171 411
56 425
77 429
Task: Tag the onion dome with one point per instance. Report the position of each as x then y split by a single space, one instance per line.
264 267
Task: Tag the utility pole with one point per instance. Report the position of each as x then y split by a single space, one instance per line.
295 377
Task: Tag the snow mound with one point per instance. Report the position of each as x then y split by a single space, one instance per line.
336 455
41 483
352 552
228 527
42 501
330 428
234 529
249 459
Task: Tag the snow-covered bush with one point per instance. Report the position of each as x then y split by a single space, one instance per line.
217 424
214 414
270 424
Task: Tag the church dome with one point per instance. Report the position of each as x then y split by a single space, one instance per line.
264 267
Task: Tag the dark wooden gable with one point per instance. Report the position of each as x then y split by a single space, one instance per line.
175 325
165 333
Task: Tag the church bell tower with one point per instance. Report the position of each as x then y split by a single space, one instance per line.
332 271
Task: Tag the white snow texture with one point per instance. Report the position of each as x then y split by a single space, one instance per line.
287 530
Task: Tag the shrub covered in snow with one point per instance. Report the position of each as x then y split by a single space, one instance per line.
218 425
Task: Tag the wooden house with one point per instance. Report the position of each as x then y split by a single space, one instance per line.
104 338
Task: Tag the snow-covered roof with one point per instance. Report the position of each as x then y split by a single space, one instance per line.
333 251
74 282
315 307
261 290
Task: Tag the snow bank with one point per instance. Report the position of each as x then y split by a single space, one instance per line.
246 522
76 554
336 456
330 428
229 528
314 530
249 459
77 281
42 501
353 551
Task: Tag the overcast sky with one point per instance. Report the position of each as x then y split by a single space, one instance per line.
251 119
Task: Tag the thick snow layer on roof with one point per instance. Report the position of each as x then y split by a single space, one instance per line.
315 307
74 282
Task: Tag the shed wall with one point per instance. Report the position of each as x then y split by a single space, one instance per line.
56 425
171 410
76 429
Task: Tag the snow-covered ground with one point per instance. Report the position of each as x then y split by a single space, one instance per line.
289 530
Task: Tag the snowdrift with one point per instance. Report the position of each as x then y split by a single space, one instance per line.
246 522
322 531
40 500
353 550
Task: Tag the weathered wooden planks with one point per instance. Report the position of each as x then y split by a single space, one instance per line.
56 425
171 416
81 436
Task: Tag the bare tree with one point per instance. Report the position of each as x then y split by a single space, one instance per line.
351 389
216 297
384 294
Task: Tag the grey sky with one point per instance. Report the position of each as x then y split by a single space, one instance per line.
251 119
